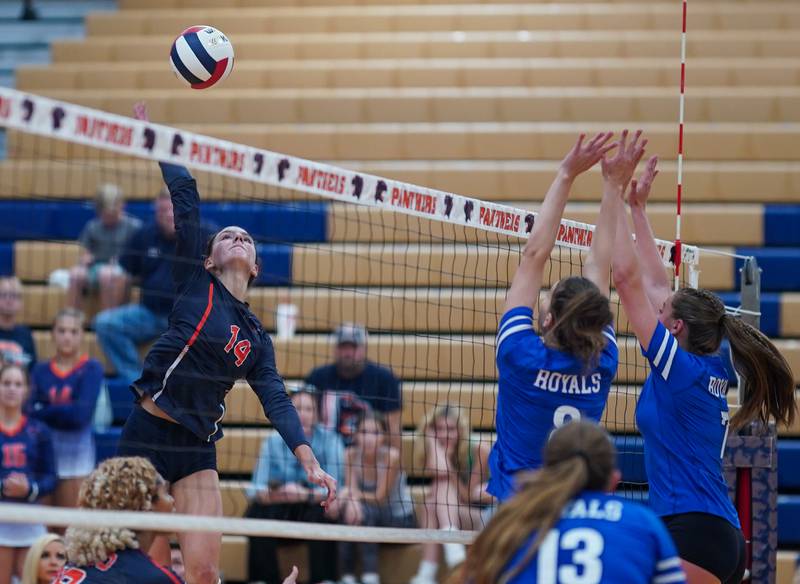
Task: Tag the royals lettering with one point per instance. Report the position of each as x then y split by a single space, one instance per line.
556 382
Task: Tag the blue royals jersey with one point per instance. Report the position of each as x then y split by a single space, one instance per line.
123 567
683 417
212 340
602 539
27 448
540 389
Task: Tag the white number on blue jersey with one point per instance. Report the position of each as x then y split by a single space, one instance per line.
725 422
564 414
585 566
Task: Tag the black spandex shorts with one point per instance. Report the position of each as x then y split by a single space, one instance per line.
710 542
174 451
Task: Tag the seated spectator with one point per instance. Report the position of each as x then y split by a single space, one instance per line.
280 490
352 385
27 471
44 560
64 396
16 340
457 495
376 495
103 240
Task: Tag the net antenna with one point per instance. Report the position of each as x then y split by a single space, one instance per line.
682 101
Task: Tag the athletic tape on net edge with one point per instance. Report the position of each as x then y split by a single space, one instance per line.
56 119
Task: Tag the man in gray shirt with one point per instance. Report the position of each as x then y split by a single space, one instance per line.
102 241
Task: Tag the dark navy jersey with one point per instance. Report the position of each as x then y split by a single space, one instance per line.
27 448
539 389
683 417
602 539
212 340
65 400
123 567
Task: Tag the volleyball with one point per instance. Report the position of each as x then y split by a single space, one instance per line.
202 56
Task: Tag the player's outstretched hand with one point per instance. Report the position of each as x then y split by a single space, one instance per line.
291 578
317 476
619 169
640 189
140 111
584 156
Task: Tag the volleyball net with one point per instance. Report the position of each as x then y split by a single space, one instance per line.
423 271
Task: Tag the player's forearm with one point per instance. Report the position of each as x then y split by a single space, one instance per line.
624 263
598 262
547 222
651 261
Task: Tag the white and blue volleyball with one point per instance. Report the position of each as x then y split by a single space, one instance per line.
202 56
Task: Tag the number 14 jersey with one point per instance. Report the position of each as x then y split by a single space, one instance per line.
602 539
540 389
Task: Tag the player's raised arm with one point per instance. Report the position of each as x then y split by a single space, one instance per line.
654 276
527 281
597 267
186 209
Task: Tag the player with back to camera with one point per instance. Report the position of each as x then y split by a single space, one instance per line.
682 411
115 555
564 525
566 372
213 339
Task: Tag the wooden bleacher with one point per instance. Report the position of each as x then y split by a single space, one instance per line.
480 98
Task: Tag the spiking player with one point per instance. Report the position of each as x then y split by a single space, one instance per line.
564 526
564 374
683 411
213 339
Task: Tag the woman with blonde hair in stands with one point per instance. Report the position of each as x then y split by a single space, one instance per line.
45 559
64 392
457 495
564 525
27 468
115 554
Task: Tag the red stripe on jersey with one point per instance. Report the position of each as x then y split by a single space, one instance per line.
203 320
174 579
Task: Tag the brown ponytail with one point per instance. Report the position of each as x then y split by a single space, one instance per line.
769 379
580 312
769 390
578 456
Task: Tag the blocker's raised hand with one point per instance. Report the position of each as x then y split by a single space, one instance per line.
619 169
584 156
640 189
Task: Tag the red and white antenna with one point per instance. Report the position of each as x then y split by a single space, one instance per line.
677 256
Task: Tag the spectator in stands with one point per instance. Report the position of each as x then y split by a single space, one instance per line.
16 340
279 490
27 471
459 466
103 240
353 384
376 495
28 11
147 260
64 396
44 560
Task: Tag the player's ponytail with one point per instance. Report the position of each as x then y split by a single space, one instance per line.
769 379
580 312
579 456
769 389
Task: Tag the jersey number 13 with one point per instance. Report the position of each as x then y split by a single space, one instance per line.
584 565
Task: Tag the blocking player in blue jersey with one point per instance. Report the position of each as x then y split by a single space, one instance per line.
563 526
64 393
213 339
683 411
27 466
565 371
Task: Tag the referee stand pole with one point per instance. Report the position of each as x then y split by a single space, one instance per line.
751 461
